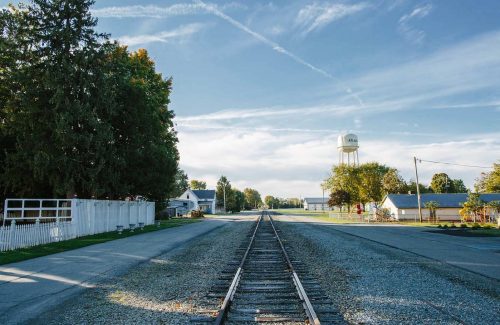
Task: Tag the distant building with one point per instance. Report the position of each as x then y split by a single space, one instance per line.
316 204
405 206
190 200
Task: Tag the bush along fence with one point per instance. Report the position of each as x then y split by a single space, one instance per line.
40 221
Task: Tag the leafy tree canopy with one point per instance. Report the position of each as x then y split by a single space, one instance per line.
489 182
393 182
197 185
80 115
338 198
252 198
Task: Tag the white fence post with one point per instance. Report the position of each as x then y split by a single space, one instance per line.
12 232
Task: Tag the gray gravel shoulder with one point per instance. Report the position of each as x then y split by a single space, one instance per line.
375 284
169 289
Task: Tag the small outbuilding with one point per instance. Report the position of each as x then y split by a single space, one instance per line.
316 204
405 206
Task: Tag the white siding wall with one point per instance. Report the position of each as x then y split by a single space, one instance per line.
450 214
189 195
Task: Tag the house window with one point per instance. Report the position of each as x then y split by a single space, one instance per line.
188 196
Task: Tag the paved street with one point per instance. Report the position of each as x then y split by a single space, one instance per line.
477 254
29 288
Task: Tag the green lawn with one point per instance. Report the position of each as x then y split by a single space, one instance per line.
321 215
52 248
324 216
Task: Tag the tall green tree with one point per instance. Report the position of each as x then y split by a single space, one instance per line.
252 198
393 182
346 178
442 183
223 192
271 202
339 198
370 186
181 183
489 182
61 141
11 52
197 185
236 200
82 115
144 133
459 186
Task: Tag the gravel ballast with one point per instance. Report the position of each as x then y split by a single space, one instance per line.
169 289
375 284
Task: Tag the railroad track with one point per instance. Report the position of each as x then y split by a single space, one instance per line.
266 286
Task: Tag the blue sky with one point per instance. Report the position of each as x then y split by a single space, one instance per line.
262 89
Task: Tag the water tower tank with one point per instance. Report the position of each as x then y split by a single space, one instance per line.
347 143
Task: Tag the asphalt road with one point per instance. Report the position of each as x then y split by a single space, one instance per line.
32 287
479 255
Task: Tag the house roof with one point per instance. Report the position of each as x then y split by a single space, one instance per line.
445 200
315 200
205 194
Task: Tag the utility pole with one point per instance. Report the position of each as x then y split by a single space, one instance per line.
323 202
224 190
418 190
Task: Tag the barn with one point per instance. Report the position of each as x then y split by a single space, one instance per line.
405 206
316 204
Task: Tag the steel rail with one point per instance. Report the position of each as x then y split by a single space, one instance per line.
221 315
311 314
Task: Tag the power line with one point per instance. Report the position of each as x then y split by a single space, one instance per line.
453 164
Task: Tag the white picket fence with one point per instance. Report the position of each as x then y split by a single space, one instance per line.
56 221
28 235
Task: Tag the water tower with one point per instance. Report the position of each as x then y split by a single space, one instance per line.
347 146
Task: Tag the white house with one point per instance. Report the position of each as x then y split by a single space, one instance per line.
316 204
191 200
405 206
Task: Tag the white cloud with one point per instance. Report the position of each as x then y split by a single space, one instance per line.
153 11
291 164
179 33
412 34
316 16
276 30
266 112
440 80
149 11
478 150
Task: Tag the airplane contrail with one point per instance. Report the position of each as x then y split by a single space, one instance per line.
275 46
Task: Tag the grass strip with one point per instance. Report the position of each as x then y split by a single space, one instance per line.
62 246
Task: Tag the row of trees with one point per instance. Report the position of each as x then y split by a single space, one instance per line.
235 200
279 203
80 115
370 182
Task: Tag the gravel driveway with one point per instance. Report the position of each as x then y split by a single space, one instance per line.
376 284
169 289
